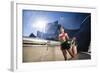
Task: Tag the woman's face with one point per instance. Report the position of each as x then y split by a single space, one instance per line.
62 29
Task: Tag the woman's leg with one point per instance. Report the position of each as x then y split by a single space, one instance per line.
74 49
71 52
64 53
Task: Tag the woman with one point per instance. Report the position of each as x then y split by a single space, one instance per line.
67 44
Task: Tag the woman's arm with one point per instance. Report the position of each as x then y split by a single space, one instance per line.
67 37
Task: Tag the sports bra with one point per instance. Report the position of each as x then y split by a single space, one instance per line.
63 35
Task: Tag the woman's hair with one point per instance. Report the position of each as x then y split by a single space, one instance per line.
61 28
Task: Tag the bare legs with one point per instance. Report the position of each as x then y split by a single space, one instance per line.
64 54
72 51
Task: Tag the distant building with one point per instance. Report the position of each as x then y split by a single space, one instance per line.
51 31
32 35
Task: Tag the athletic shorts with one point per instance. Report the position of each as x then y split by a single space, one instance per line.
65 45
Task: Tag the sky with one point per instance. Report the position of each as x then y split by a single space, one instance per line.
35 20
